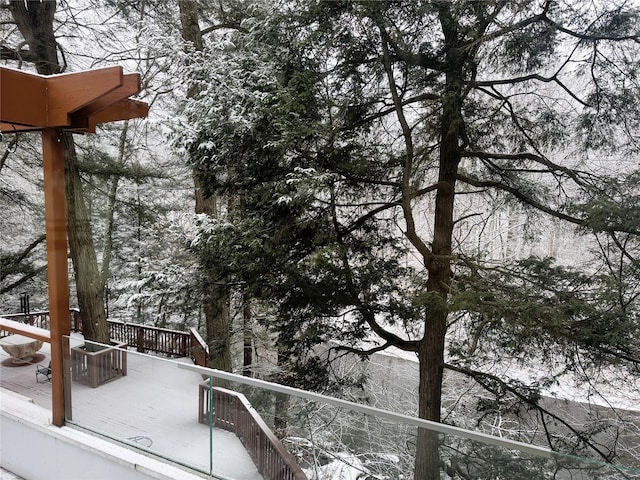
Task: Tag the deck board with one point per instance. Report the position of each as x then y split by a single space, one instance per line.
155 400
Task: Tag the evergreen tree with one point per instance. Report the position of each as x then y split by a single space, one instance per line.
343 125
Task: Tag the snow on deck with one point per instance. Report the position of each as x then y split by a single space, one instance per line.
155 403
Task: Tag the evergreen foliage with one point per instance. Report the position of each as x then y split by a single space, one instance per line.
340 127
358 155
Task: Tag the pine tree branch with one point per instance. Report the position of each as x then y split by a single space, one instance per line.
222 26
516 120
482 379
11 261
387 336
522 197
511 28
629 356
592 37
406 187
369 215
361 352
519 195
387 111
416 59
365 311
386 206
575 175
528 78
623 250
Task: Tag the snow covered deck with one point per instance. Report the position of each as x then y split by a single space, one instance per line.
155 405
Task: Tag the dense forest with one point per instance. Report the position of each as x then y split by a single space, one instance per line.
319 182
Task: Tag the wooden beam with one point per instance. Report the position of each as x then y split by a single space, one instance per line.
15 128
71 92
22 98
58 280
123 110
30 331
76 101
130 86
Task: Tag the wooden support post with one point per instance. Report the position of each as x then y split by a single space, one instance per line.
56 230
140 340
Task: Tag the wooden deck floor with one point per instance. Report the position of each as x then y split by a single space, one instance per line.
156 401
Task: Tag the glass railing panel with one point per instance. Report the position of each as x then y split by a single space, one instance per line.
465 458
233 427
338 440
138 400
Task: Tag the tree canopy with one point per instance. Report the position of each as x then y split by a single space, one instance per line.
363 172
366 143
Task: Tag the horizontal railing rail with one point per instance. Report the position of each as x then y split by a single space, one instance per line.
144 338
357 407
172 343
41 319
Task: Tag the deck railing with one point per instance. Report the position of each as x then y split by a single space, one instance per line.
144 338
172 343
41 319
233 412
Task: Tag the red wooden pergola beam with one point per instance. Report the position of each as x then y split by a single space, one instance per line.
75 101
123 110
71 92
16 128
93 113
23 98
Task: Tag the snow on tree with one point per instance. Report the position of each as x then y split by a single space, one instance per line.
399 112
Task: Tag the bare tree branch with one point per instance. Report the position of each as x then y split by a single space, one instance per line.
528 78
16 54
591 36
522 197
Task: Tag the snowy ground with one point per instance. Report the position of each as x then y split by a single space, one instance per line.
609 388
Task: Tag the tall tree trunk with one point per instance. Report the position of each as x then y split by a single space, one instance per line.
437 259
217 295
89 284
431 351
218 325
35 22
112 197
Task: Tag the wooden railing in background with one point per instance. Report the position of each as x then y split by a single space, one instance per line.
144 338
41 319
233 412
